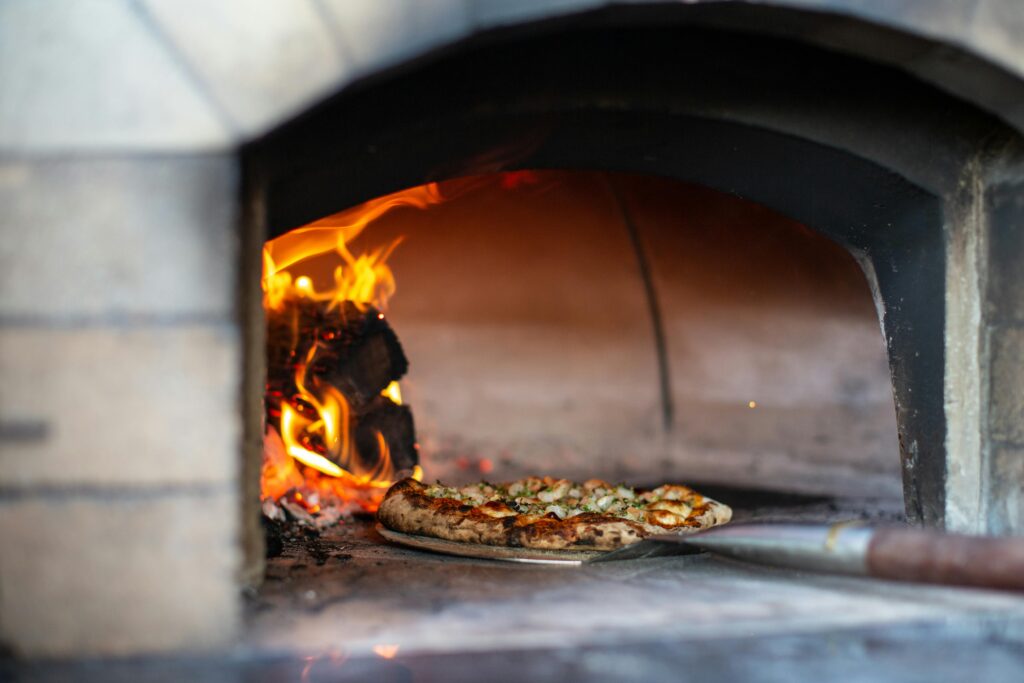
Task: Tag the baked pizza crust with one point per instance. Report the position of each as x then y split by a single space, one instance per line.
410 508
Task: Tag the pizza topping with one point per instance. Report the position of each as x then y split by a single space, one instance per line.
537 497
664 518
556 510
673 492
439 490
635 514
674 506
554 492
497 509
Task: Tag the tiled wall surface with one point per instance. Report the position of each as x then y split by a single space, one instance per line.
120 341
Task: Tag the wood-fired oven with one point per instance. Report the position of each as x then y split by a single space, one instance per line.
772 249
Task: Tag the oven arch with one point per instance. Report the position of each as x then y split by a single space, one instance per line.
873 158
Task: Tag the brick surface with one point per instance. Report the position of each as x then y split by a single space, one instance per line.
90 76
109 406
1005 204
995 30
132 236
111 577
1006 409
261 59
1006 491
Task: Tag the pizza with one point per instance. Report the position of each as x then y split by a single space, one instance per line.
547 513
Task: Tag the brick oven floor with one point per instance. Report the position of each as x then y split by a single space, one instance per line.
331 608
353 593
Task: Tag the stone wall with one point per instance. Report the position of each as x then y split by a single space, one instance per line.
1003 482
119 422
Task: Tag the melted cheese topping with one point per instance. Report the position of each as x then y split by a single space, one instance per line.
537 497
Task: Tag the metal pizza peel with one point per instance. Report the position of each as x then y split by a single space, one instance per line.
570 557
487 552
852 547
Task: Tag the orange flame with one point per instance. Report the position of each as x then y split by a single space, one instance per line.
319 413
365 279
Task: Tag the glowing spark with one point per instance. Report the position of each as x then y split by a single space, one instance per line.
386 651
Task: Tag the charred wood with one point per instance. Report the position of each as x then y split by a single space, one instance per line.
356 350
394 424
353 350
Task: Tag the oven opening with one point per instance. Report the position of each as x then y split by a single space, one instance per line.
579 325
570 324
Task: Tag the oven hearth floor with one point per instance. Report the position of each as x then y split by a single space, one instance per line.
333 607
351 592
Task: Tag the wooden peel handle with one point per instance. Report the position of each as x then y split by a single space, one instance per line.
954 559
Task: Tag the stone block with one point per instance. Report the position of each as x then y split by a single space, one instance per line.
151 236
935 17
381 33
116 574
995 30
1006 491
88 75
1006 400
261 59
107 406
1005 206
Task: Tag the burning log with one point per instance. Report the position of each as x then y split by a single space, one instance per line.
363 359
394 423
317 348
356 350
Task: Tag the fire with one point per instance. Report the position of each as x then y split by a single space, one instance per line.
310 452
394 392
363 279
309 446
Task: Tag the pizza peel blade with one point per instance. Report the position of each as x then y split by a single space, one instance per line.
663 545
657 546
849 547
480 551
797 545
836 548
852 547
